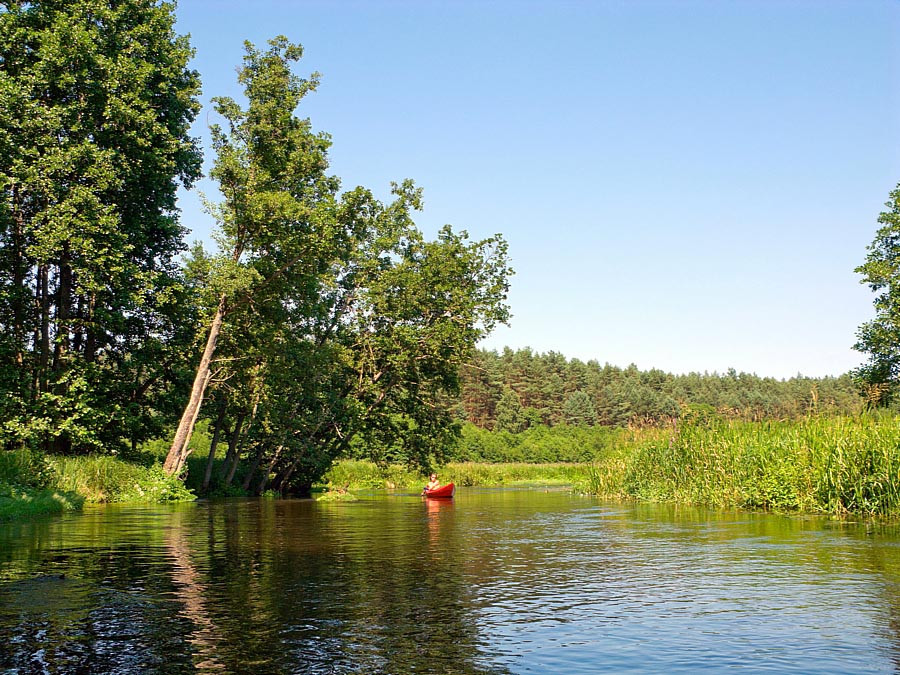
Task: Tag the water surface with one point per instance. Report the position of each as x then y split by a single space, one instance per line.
495 581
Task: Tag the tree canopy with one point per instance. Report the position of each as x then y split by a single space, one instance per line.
880 337
96 101
332 317
514 390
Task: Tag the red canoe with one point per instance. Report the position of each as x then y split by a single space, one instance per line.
443 491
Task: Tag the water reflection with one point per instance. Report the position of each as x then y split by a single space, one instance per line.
491 582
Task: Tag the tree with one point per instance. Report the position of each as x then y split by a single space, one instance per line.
510 414
880 337
579 411
96 101
277 209
353 323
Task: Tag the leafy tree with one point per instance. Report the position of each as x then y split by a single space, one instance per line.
274 220
353 323
510 413
544 382
880 337
579 411
95 105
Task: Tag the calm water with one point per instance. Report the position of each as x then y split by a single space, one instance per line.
492 582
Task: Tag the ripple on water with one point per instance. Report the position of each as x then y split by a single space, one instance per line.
493 582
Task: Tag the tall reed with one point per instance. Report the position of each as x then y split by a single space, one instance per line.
832 465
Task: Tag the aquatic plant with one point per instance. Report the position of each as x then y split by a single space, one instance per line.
846 465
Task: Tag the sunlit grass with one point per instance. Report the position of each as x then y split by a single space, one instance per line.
848 465
21 502
111 479
362 475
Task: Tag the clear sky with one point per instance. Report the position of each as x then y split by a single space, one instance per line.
684 185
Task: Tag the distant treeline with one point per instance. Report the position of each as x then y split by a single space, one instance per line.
515 390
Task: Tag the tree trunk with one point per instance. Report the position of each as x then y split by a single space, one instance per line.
282 479
264 478
253 467
36 337
235 460
232 445
19 293
44 304
180 450
212 449
63 313
90 341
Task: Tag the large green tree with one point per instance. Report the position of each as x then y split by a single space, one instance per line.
880 337
329 316
96 101
277 212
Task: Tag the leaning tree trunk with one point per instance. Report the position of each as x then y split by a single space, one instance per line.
210 460
257 459
180 450
232 446
266 472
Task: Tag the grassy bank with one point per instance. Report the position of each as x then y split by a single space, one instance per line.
845 466
362 475
841 466
33 484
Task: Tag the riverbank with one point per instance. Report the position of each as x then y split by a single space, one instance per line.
841 466
33 484
844 466
357 475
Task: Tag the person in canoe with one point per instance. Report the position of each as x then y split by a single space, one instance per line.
433 484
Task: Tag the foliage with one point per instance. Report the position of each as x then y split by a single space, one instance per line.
578 410
32 483
516 389
356 475
337 327
102 478
538 444
26 468
880 337
95 105
842 465
17 502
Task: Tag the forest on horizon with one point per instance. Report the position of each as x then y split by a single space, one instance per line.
514 390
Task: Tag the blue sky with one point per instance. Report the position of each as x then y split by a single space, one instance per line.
684 185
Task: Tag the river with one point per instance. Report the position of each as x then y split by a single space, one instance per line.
494 581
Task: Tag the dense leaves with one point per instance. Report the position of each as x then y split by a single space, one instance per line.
516 390
324 323
880 337
334 321
95 104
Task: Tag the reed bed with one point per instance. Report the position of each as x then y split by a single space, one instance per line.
846 465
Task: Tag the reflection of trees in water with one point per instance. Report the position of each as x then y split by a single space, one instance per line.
394 585
246 587
371 590
194 596
90 601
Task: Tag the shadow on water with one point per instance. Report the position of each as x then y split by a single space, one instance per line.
491 582
239 586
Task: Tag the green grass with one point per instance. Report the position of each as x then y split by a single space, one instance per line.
18 502
32 483
111 479
363 475
841 466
